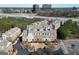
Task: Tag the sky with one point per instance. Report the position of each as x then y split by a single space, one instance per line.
30 5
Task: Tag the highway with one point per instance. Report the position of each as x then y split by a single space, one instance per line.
35 16
17 15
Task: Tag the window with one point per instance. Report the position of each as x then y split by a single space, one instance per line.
44 29
39 33
49 29
46 39
42 33
45 33
37 29
34 33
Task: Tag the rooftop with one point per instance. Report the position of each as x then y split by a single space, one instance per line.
11 31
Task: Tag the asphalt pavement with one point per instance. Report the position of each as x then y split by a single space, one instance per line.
21 50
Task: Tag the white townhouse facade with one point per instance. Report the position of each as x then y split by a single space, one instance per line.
41 31
6 47
11 34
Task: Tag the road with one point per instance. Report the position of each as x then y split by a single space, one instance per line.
20 49
68 44
64 49
35 16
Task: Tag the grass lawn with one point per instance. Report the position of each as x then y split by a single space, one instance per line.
7 23
69 30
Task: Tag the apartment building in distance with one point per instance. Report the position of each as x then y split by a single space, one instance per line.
12 34
14 10
46 6
36 8
41 31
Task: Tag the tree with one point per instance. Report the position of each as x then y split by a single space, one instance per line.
62 33
74 8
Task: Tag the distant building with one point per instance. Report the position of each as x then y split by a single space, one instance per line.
14 10
1 11
11 34
46 6
35 8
